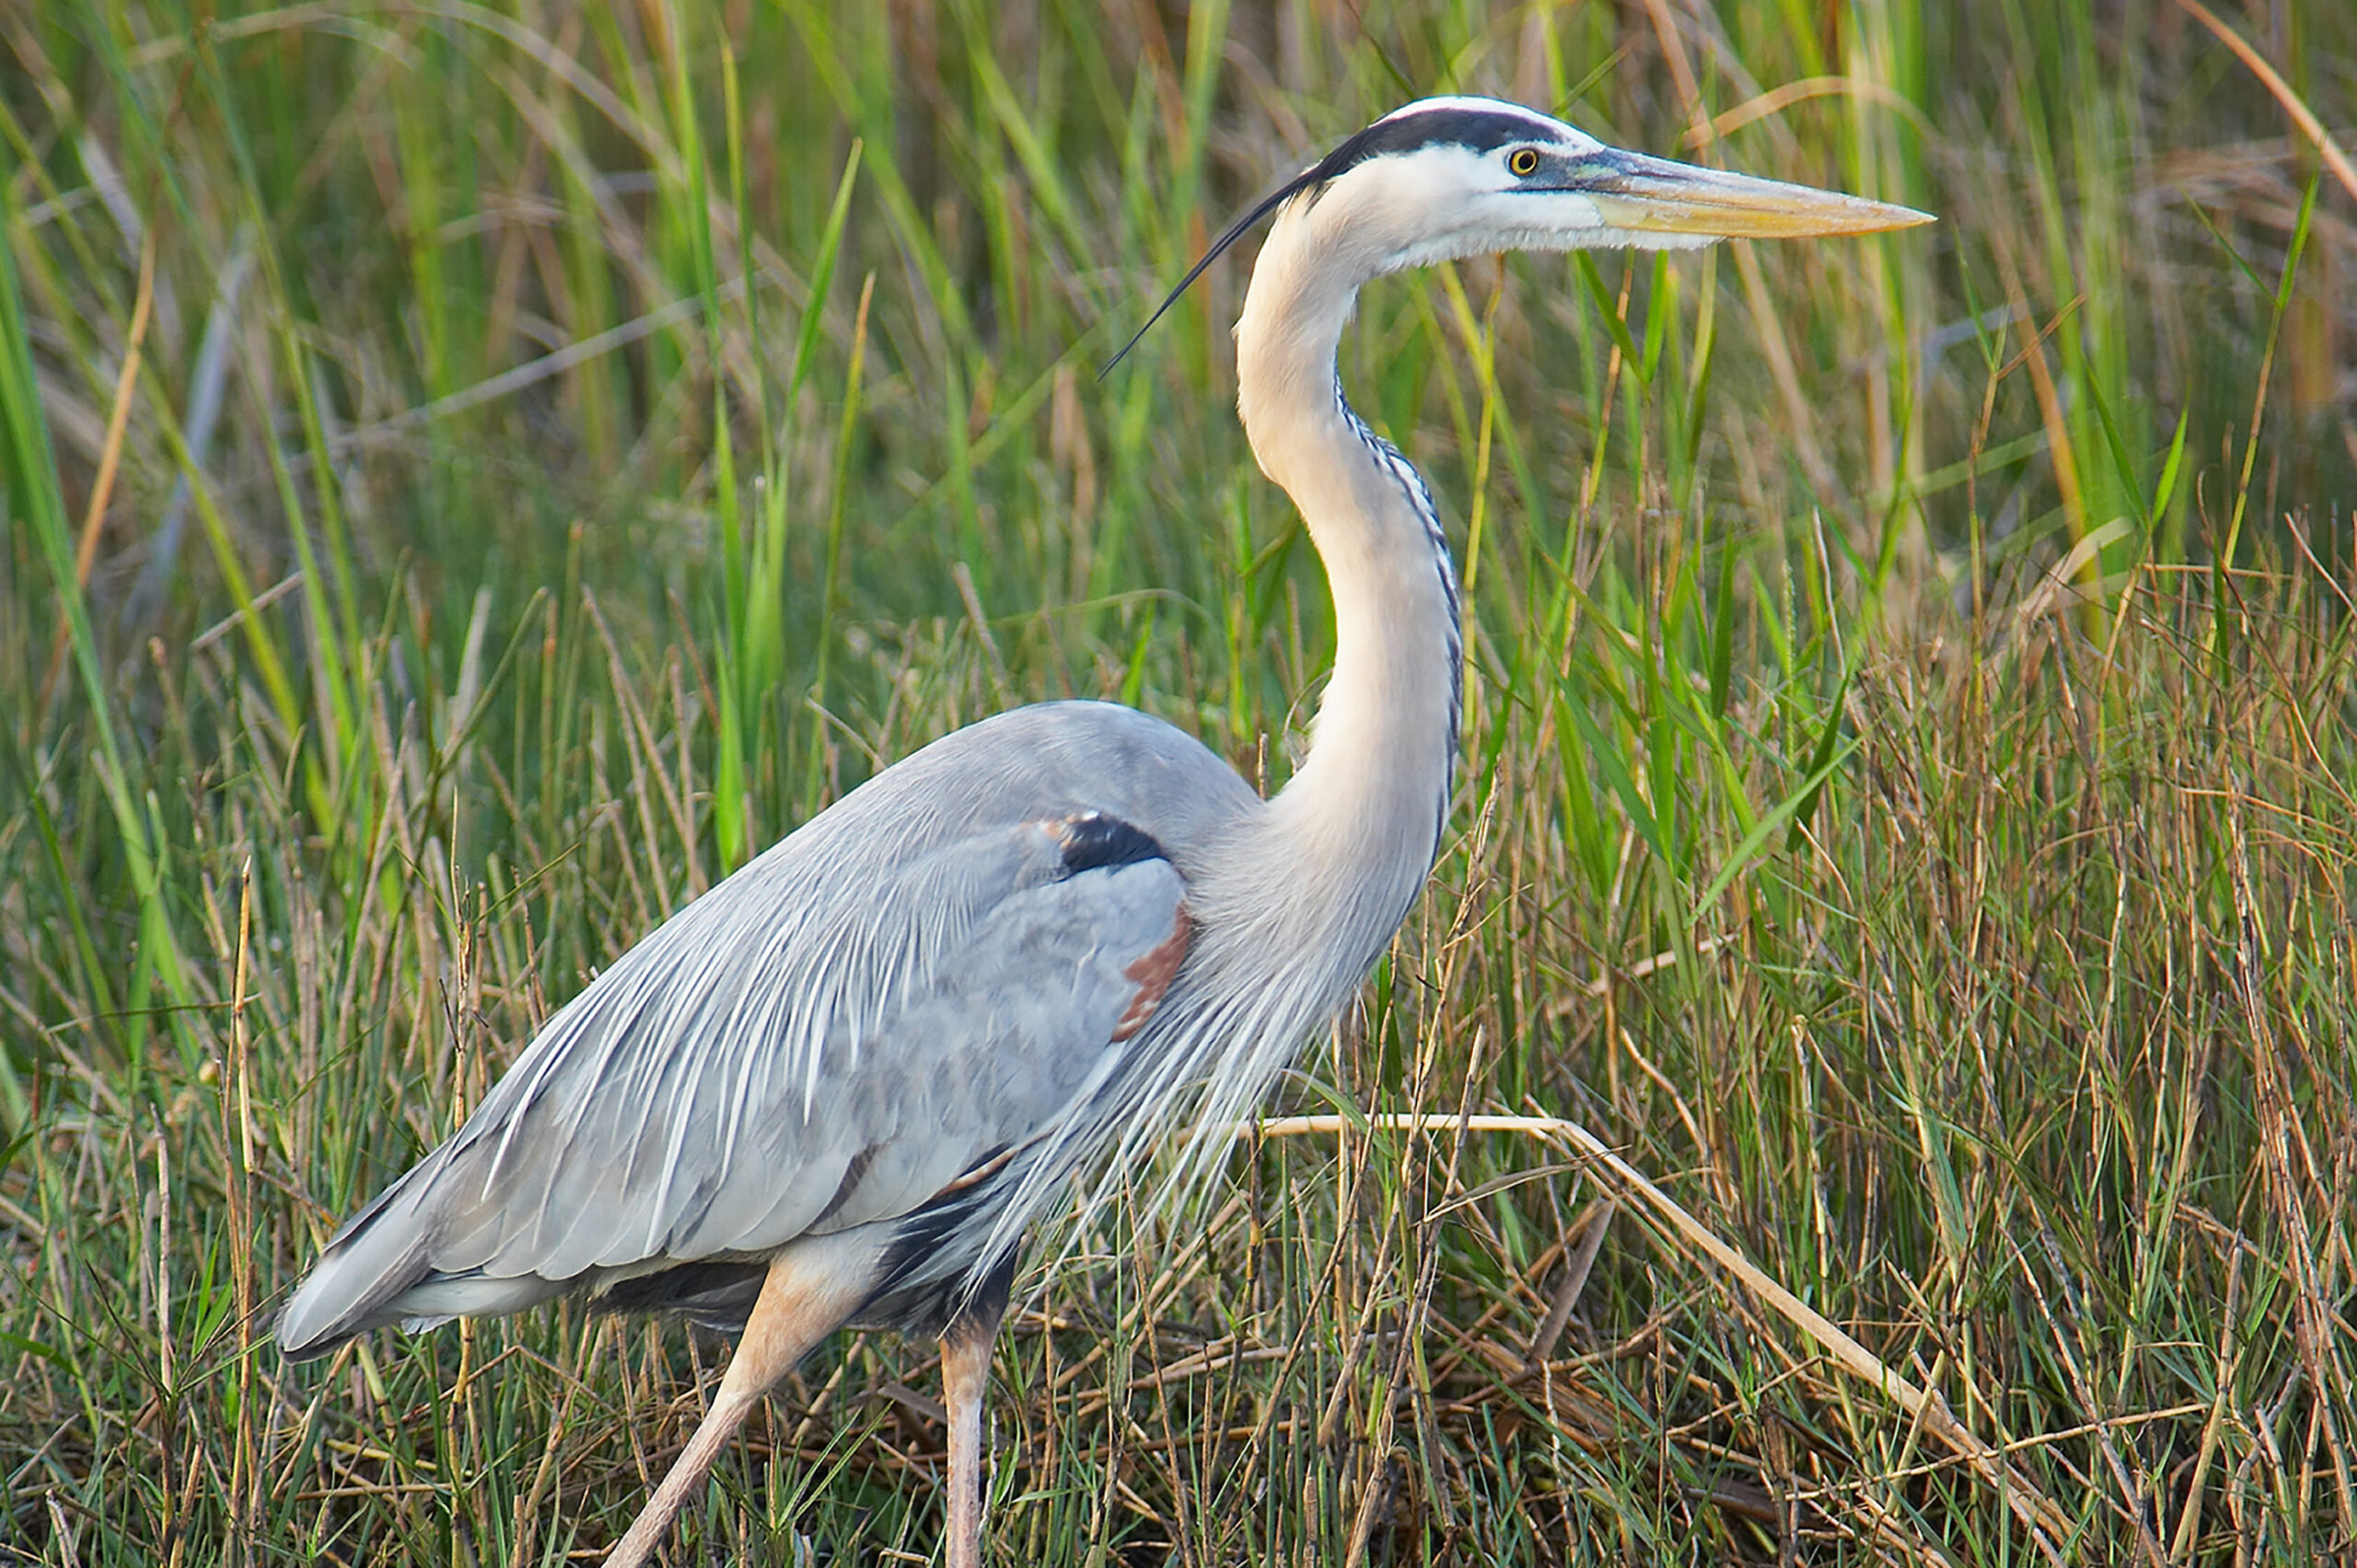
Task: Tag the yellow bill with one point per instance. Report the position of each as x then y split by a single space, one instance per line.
1655 195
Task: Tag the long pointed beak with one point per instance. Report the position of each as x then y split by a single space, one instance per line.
1658 196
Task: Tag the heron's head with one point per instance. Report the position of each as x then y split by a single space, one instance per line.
1453 176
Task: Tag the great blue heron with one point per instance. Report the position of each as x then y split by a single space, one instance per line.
838 1088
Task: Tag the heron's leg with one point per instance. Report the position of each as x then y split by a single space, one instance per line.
807 1295
965 1381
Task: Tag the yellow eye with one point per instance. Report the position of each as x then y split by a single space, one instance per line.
1523 162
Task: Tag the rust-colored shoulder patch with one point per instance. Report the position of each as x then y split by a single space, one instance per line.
1154 972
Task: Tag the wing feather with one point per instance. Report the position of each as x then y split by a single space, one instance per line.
829 1038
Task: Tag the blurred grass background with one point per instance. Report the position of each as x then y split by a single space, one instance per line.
476 475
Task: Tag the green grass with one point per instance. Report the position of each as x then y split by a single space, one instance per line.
1906 808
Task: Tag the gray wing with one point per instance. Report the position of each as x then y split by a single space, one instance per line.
925 977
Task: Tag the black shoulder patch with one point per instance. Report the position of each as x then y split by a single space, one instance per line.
1476 130
1092 840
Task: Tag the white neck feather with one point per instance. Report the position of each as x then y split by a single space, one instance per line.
1363 815
1308 892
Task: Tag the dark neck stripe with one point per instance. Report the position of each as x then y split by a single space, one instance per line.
1419 495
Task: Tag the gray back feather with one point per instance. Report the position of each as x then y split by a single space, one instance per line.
907 985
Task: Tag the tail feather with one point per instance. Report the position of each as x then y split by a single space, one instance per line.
380 1269
437 1298
379 1254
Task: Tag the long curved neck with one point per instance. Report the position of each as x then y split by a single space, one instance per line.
1367 804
